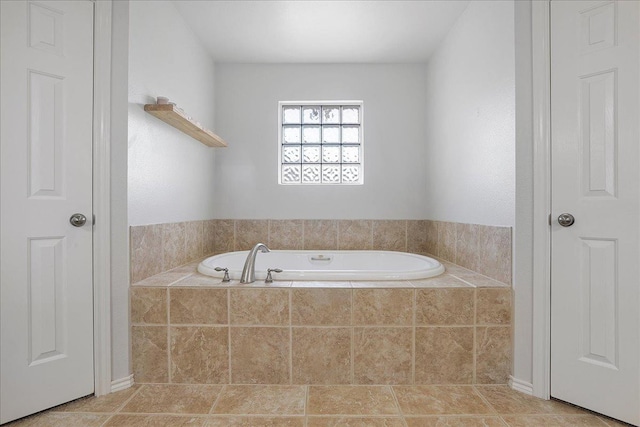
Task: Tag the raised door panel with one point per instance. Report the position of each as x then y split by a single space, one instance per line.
48 315
598 134
46 134
598 302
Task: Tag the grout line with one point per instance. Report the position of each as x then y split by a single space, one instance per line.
413 339
185 325
134 394
342 419
229 332
371 234
235 226
162 266
201 252
406 235
381 326
474 377
353 337
169 379
608 422
105 422
455 241
485 400
171 414
437 248
290 338
316 326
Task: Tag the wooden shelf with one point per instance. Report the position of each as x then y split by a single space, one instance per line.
172 115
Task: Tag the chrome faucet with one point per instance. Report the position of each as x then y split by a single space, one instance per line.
249 270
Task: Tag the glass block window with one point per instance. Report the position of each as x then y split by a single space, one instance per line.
320 143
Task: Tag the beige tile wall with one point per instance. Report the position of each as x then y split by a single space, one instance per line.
321 335
481 248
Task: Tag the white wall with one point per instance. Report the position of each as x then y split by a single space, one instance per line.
470 155
246 183
170 174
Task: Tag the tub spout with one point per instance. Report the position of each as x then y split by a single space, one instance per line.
249 270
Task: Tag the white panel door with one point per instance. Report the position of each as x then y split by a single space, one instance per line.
46 294
595 282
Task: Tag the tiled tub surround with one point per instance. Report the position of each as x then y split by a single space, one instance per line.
480 248
192 329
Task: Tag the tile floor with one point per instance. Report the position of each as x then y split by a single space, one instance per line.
315 406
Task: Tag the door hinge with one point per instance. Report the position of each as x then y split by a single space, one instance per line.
549 220
93 218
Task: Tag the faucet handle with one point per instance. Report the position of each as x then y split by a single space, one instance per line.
269 279
226 273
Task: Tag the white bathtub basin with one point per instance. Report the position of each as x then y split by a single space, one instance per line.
328 265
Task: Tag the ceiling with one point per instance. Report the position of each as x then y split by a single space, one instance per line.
305 31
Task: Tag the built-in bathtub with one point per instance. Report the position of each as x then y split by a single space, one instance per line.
191 328
328 265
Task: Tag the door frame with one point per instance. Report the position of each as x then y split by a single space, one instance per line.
541 263
102 197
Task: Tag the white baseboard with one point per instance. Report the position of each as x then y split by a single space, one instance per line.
521 386
122 383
